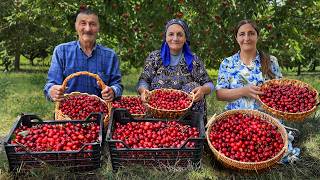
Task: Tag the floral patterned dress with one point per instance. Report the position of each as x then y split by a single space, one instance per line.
233 73
175 77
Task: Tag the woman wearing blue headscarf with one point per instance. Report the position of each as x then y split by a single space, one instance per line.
175 66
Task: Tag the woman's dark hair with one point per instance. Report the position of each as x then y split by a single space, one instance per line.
265 58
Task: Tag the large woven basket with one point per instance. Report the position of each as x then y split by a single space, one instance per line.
164 113
299 116
238 165
134 115
58 113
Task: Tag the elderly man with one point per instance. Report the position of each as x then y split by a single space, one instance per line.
84 55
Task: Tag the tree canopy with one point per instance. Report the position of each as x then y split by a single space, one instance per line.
289 28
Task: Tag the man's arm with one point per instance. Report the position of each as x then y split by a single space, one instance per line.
115 77
55 73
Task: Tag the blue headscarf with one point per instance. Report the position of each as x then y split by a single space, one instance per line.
165 50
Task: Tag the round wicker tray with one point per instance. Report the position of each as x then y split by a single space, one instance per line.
165 113
238 165
58 113
134 115
299 116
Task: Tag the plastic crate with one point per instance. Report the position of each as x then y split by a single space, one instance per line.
81 160
156 157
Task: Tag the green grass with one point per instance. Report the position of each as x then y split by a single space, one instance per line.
23 92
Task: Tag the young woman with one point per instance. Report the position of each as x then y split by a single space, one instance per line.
240 74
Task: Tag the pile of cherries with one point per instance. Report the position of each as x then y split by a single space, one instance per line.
79 107
169 100
160 134
132 103
246 138
288 98
56 137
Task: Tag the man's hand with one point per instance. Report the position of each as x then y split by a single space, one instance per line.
56 93
107 94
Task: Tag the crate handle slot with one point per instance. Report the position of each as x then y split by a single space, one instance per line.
92 115
119 141
28 118
83 146
24 147
189 140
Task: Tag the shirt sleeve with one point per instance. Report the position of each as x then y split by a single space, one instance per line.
55 73
275 68
115 79
223 76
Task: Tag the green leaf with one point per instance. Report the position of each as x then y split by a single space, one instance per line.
24 133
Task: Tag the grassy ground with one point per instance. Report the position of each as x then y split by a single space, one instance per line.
22 92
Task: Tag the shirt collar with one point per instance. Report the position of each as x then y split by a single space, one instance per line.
256 59
93 50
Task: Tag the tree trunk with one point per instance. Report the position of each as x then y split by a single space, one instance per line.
299 69
314 64
31 61
17 61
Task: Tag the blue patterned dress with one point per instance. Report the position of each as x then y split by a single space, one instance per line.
175 77
233 73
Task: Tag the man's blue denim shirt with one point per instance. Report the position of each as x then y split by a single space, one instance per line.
68 58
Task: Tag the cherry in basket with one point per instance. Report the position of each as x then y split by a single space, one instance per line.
132 103
246 138
289 98
170 100
80 106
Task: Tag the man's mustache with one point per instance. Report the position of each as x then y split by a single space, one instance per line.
88 33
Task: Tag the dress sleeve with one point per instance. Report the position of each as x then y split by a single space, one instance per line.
275 68
223 76
149 70
199 72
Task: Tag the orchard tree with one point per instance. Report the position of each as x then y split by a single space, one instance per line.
134 28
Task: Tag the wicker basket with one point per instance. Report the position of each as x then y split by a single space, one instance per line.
165 113
58 113
238 165
134 115
299 116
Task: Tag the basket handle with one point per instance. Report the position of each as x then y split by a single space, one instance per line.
210 120
99 80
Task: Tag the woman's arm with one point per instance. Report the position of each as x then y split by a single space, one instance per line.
149 70
200 92
200 75
250 91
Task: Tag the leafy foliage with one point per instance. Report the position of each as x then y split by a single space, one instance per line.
289 29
